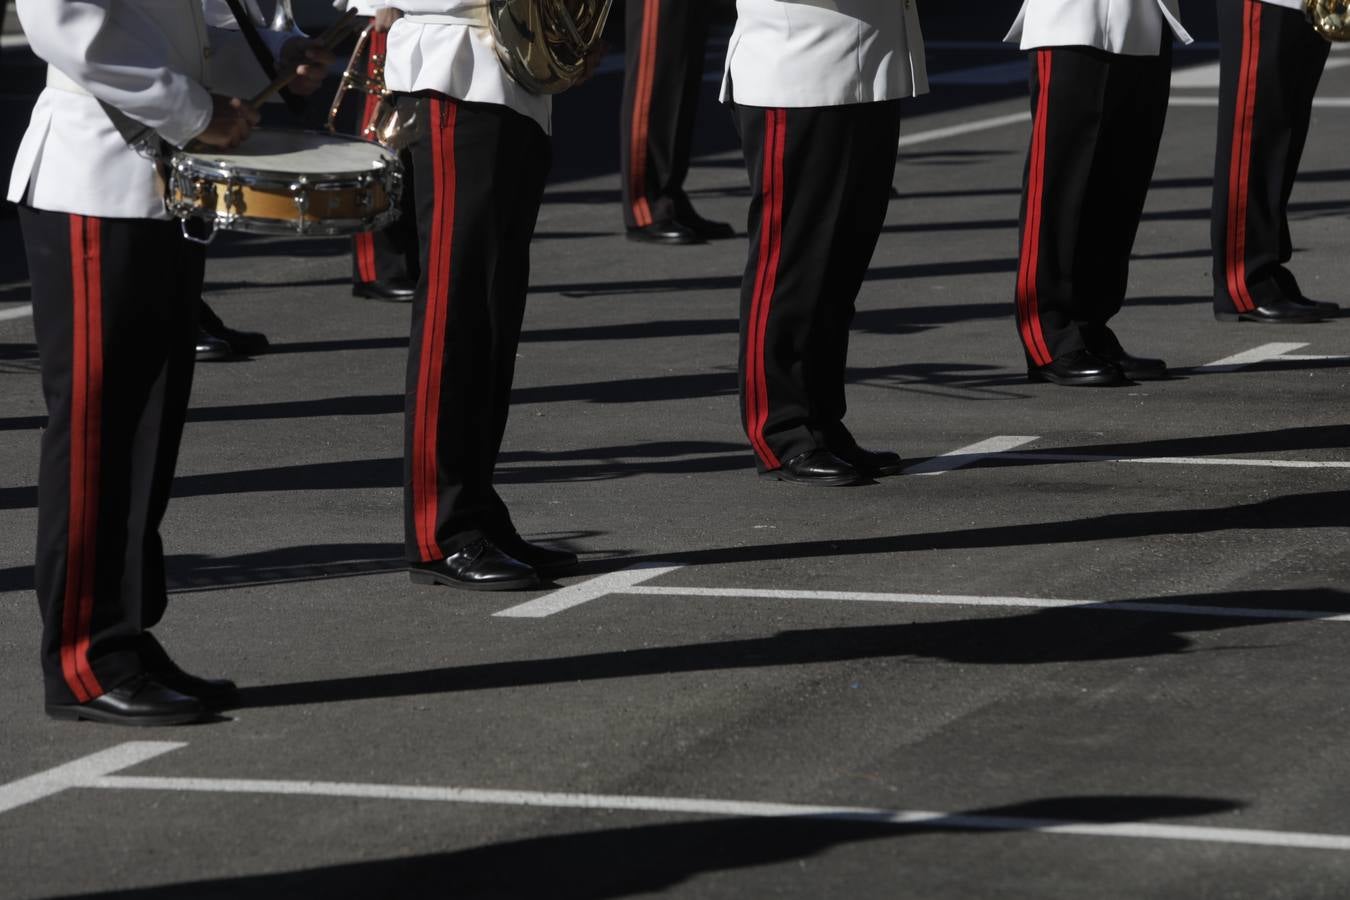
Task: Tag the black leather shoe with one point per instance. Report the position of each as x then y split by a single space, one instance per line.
544 560
241 343
1325 307
1137 368
665 233
213 692
481 566
706 228
1274 312
1081 368
140 701
817 467
872 463
395 290
211 348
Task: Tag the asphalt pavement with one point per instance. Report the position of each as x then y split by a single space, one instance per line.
1091 645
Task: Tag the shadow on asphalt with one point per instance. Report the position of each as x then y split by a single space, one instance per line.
1045 636
641 859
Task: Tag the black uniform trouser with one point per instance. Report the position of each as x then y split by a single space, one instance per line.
820 180
1270 61
1097 120
663 72
389 254
480 179
115 315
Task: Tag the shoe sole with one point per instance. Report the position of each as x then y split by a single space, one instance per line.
1283 320
512 584
68 714
383 298
836 481
678 242
1089 381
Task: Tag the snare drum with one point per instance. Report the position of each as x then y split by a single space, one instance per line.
287 182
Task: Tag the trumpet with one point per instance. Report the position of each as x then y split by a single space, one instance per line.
283 17
1331 18
383 125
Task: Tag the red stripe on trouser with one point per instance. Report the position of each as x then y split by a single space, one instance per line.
642 109
86 413
766 276
365 256
427 413
1028 301
1240 163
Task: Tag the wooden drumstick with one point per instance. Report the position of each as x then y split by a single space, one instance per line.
328 40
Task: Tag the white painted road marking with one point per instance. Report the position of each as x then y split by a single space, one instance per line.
1226 612
81 773
965 456
586 591
1276 352
1207 75
937 134
1318 102
699 806
1051 456
17 312
629 582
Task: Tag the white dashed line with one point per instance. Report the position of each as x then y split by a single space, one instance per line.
1276 352
965 456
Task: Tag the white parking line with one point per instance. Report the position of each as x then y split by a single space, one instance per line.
702 806
586 591
965 456
17 312
1051 456
1276 352
82 772
937 134
1318 103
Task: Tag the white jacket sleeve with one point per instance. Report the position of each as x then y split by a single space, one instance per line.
118 53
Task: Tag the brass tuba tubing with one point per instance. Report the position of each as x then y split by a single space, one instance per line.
1331 18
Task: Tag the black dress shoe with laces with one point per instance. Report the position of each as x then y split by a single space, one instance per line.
1274 312
872 463
665 233
816 467
140 701
395 290
544 560
1080 368
480 566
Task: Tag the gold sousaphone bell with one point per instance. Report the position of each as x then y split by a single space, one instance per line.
544 45
1331 18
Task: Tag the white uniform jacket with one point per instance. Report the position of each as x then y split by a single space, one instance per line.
446 46
800 53
363 7
156 61
1128 27
1287 4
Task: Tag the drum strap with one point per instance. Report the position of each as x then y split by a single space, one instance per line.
262 54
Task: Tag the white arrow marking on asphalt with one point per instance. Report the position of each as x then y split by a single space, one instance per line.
588 590
699 806
83 772
965 456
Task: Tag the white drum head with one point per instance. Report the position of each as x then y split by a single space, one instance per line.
299 153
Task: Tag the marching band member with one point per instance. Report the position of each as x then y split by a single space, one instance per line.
478 170
663 73
819 138
1270 60
115 344
384 262
1099 88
